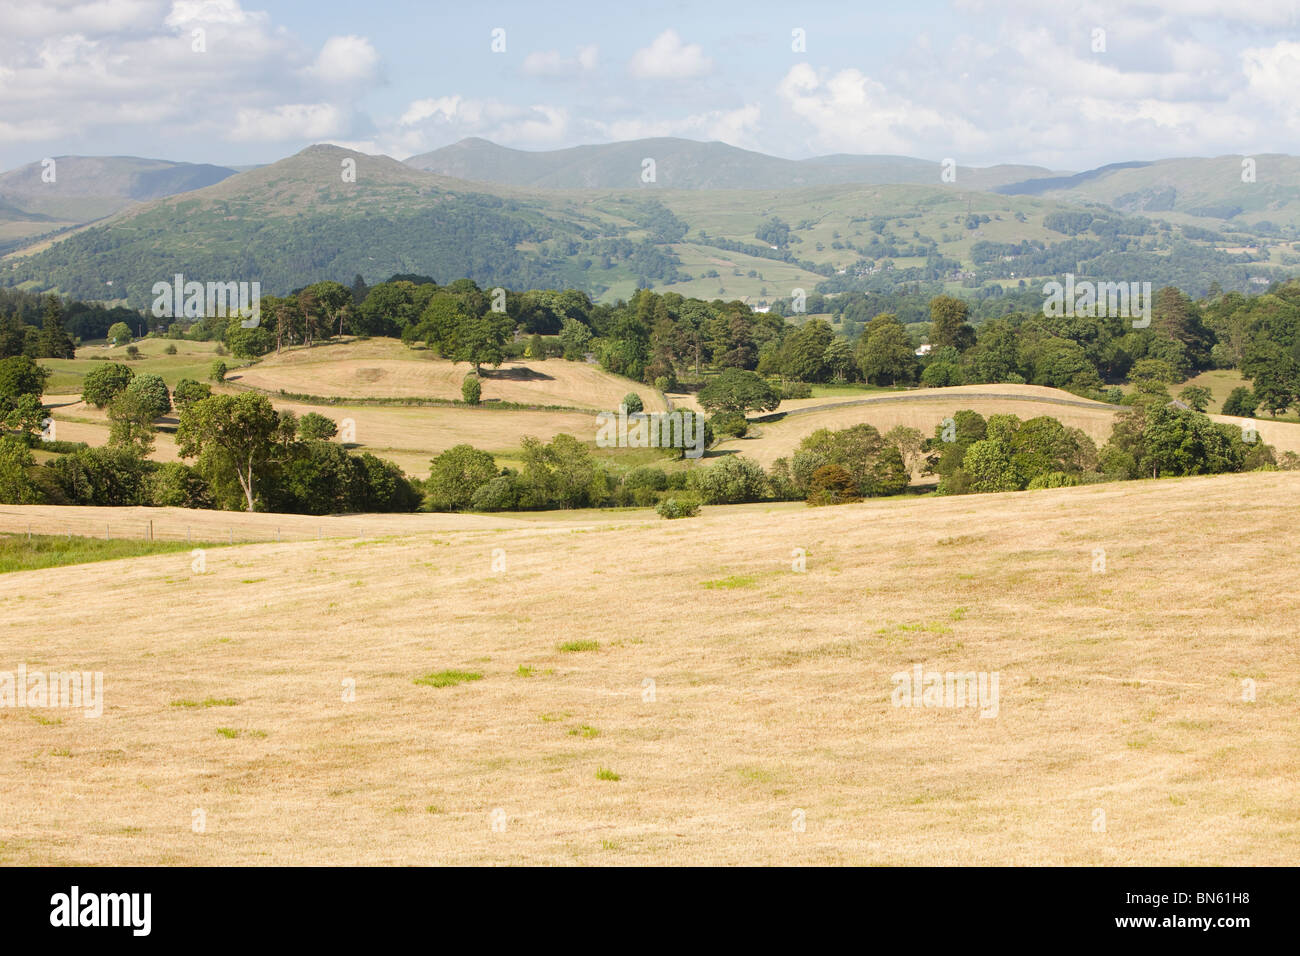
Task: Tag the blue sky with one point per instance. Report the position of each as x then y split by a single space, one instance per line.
1065 85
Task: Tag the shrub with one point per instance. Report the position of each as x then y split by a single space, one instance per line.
132 351
119 333
188 391
170 349
632 402
730 424
175 485
832 485
731 480
1053 479
796 390
471 390
679 506
499 494
218 372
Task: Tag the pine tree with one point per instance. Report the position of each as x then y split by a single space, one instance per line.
54 340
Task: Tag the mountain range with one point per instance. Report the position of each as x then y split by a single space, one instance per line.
715 222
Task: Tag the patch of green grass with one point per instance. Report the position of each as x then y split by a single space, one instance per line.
18 553
584 731
207 702
735 581
603 773
231 733
524 671
448 678
572 647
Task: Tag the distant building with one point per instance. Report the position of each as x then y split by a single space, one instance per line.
924 349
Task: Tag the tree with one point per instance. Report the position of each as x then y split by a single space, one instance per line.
102 384
1196 397
804 353
19 376
481 341
244 428
1241 401
218 371
131 417
948 323
54 341
316 427
154 397
562 473
27 416
455 475
575 338
471 390
188 391
632 402
119 333
740 391
885 355
16 488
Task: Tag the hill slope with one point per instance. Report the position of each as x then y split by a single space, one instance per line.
689 164
721 709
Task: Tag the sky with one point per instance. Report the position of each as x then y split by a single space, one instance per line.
1067 85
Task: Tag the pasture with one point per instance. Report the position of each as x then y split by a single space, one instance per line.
581 687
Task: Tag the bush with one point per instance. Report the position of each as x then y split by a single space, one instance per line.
218 372
796 390
1053 479
170 349
632 402
730 424
471 390
679 506
455 476
499 494
188 391
731 480
175 485
653 479
133 351
832 485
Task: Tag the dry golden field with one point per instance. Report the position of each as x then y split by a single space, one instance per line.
925 409
1121 734
384 368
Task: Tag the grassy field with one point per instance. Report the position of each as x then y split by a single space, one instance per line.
689 697
384 368
30 552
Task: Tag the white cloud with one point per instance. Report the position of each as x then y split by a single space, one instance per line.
345 60
296 121
554 63
668 58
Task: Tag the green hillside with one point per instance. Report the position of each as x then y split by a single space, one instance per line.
301 220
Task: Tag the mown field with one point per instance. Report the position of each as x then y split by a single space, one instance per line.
612 688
